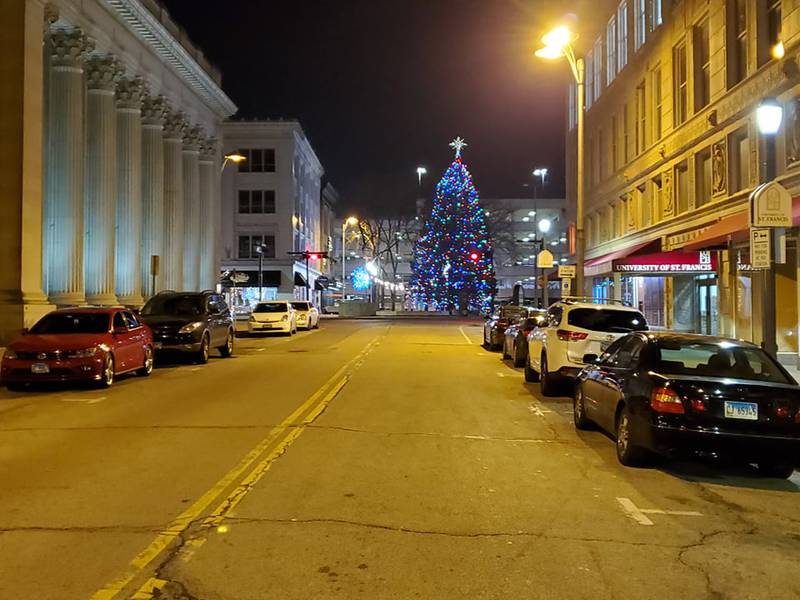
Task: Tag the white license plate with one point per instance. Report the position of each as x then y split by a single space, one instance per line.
39 368
741 410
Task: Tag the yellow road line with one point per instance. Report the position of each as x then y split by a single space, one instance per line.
176 527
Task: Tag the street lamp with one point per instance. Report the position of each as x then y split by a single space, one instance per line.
557 44
345 223
541 173
259 248
544 226
769 115
420 172
234 157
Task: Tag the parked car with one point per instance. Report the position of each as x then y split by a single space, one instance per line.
515 342
190 322
276 316
574 328
306 314
83 344
672 393
495 326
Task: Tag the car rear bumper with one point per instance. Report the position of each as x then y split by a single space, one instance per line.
673 440
280 327
78 369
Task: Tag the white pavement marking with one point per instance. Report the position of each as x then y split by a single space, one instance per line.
466 337
499 374
538 410
640 514
84 400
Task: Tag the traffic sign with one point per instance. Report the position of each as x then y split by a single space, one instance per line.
566 286
760 248
566 271
544 260
770 206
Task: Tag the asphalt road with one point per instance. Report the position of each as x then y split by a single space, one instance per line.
370 459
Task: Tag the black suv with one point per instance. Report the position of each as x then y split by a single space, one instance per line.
192 322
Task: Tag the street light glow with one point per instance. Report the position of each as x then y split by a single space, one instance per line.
235 157
544 225
769 115
550 52
352 221
558 37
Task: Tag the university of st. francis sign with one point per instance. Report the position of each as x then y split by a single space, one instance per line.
675 262
770 206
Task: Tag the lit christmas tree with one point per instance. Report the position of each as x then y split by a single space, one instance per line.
453 266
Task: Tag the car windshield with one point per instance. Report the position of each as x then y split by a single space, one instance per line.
183 305
72 323
716 359
300 306
271 307
607 319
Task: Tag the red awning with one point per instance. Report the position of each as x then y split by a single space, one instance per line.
612 256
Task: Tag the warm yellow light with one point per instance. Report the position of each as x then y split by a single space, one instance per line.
778 51
235 158
550 52
352 221
558 37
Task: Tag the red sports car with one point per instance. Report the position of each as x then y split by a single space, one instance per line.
80 344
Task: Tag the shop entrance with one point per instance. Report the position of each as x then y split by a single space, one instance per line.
707 312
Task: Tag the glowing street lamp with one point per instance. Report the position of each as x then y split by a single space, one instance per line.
234 157
420 172
544 225
345 223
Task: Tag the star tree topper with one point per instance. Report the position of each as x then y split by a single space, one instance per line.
458 144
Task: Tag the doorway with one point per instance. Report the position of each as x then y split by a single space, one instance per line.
707 305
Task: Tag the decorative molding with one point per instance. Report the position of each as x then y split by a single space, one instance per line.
50 14
142 23
154 109
129 93
68 47
103 72
174 125
193 138
719 169
208 149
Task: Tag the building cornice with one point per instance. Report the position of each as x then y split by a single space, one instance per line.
146 26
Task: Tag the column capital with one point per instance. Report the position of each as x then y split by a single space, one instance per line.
208 149
68 47
103 72
130 91
192 138
174 125
154 109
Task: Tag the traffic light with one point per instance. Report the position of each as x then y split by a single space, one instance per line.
313 256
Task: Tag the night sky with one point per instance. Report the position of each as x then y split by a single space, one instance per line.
381 86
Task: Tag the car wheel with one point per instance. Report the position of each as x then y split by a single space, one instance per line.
627 453
519 357
226 350
579 410
531 376
107 375
201 357
549 383
147 366
775 469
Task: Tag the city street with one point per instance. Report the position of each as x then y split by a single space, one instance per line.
381 458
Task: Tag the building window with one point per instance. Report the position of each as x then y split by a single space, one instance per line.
654 18
597 52
256 202
682 187
625 135
249 243
611 49
257 160
641 118
657 200
737 41
702 170
622 35
702 67
572 109
679 77
769 28
639 23
655 85
588 90
739 144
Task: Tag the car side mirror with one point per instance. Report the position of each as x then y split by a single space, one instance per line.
590 358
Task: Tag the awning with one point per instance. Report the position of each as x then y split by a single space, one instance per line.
604 264
270 278
299 280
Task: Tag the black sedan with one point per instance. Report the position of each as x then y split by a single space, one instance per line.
672 393
515 343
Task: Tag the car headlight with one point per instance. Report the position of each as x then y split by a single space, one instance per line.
10 354
86 353
285 318
252 319
191 327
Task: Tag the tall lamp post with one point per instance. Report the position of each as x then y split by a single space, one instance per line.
345 223
259 248
769 115
541 173
557 44
420 172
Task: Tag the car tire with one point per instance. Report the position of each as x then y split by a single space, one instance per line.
226 350
579 410
149 360
549 383
107 376
519 361
201 357
627 454
531 376
775 469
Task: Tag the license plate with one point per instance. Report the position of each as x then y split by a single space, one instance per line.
741 410
39 368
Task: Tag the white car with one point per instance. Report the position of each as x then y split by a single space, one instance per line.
573 329
276 316
307 314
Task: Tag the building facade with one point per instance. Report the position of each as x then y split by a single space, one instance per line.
272 201
108 157
673 153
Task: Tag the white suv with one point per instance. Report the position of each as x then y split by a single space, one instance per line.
574 328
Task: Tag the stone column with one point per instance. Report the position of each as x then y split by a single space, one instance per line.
64 168
172 258
129 190
209 217
102 74
191 208
153 111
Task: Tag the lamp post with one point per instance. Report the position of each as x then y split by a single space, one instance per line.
345 223
769 115
420 172
234 157
557 44
259 248
541 173
544 227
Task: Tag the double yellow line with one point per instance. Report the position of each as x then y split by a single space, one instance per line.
263 455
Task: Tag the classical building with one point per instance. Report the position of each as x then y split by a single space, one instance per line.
673 153
109 120
272 205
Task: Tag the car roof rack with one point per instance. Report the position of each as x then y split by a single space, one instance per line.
593 300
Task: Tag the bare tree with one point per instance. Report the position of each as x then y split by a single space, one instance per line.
384 239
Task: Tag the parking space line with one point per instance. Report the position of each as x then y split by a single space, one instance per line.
466 337
640 514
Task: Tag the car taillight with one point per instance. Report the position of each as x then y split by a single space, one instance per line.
698 405
571 336
665 400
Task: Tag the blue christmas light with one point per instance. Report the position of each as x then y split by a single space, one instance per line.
360 279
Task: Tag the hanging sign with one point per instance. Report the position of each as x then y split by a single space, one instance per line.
544 260
760 248
770 206
566 271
